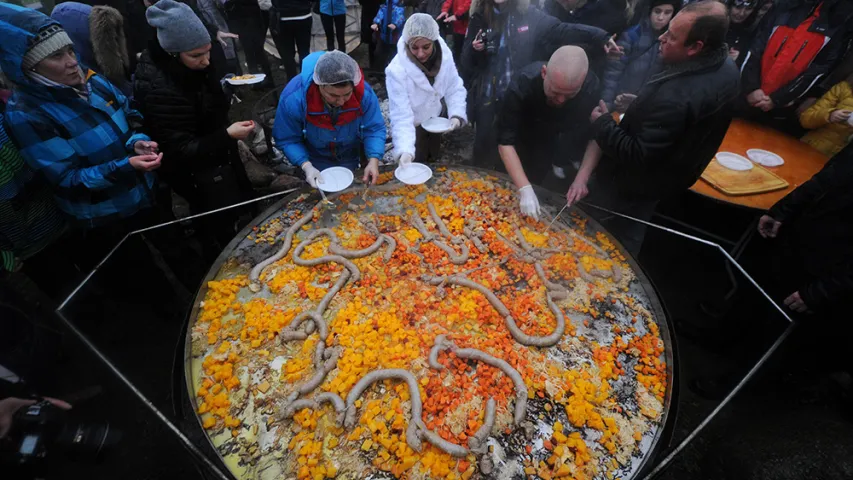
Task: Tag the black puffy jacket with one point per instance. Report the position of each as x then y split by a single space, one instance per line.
817 218
185 112
673 128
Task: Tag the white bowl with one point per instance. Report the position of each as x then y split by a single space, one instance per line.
436 125
733 161
763 157
257 78
335 179
413 173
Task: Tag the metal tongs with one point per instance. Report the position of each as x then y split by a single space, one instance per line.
555 218
323 194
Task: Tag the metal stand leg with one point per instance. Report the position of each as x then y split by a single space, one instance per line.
736 252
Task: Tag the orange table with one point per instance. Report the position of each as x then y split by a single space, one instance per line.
801 162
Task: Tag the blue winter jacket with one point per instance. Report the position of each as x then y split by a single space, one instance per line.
305 132
392 11
333 7
640 61
82 147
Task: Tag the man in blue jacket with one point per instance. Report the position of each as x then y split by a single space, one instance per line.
327 115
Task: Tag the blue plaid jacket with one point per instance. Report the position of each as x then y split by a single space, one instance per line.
81 146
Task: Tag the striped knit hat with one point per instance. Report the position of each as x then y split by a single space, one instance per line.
49 40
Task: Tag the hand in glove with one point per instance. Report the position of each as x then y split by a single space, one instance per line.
529 203
455 123
406 159
312 175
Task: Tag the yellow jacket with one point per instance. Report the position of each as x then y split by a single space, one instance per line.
829 138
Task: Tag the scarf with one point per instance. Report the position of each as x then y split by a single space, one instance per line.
433 64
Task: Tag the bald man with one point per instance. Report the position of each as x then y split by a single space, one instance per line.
543 106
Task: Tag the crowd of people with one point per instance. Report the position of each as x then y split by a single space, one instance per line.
109 117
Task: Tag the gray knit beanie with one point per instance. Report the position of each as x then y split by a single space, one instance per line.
49 40
178 27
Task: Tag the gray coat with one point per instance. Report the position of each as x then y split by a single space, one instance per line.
212 15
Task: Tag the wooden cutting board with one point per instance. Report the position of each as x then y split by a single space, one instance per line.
747 182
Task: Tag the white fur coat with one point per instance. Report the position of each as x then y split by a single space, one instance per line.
412 99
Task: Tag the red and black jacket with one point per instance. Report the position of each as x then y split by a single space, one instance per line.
797 45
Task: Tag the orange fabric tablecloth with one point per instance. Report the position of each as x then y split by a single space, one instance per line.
801 162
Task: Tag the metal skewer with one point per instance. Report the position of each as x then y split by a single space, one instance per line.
555 218
323 195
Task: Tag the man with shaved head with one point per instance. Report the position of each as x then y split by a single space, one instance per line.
671 131
543 103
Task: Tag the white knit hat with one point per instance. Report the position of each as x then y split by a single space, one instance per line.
48 41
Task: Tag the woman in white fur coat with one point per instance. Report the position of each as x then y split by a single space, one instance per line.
418 79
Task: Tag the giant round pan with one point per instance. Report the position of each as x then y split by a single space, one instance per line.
593 400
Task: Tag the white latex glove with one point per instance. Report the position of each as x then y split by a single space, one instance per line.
529 203
312 175
406 159
455 123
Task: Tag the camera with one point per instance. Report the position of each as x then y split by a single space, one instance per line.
41 429
490 41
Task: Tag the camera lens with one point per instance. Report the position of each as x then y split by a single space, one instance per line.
87 441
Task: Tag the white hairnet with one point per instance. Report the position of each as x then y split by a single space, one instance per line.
336 67
420 25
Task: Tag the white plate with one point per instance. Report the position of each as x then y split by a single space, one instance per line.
335 179
413 173
258 78
733 161
763 157
436 125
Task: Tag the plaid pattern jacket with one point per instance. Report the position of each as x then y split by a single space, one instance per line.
82 147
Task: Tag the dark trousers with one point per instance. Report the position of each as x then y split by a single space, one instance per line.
334 26
293 36
536 159
368 13
387 51
604 193
427 146
485 136
252 31
458 41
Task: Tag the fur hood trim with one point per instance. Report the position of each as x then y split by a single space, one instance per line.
108 41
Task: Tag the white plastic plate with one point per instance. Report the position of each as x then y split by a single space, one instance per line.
436 125
733 161
335 179
256 78
413 173
763 157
